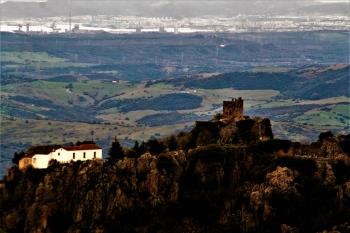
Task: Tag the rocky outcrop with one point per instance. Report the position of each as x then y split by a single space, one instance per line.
209 188
244 130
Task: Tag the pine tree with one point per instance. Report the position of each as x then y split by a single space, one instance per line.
135 152
116 151
154 146
141 150
136 146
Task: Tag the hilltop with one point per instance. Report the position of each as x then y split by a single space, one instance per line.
230 180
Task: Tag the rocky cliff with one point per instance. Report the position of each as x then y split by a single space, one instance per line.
268 186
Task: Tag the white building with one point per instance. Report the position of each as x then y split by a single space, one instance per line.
40 156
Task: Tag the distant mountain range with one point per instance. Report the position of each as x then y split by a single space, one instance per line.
171 8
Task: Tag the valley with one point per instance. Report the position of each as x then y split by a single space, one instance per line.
65 88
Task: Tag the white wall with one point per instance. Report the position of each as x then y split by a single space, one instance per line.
40 161
64 156
61 155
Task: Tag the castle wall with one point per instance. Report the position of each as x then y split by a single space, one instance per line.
233 108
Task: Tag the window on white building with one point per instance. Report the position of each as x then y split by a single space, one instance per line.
59 154
95 155
73 155
84 155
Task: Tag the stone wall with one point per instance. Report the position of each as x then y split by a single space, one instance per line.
233 108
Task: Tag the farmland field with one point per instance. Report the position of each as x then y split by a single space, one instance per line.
60 88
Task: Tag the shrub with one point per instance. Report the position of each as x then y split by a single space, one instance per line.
167 163
303 165
17 157
185 141
274 145
171 143
341 171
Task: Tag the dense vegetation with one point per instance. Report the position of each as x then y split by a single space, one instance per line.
291 85
169 119
174 185
245 81
171 102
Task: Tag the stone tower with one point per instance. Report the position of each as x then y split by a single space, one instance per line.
233 108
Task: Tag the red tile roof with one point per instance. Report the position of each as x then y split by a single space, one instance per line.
82 147
33 150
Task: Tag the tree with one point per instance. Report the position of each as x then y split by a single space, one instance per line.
154 146
53 163
17 157
116 151
78 143
136 146
325 135
92 133
69 86
171 143
185 141
132 153
139 148
205 137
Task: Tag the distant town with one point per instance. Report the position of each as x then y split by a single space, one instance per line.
137 24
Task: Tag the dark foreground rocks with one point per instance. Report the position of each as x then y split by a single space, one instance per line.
271 186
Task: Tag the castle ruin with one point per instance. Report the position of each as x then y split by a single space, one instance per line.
233 108
233 126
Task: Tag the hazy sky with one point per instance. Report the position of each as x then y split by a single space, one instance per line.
167 0
174 8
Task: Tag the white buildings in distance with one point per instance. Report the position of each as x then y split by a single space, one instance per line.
138 24
39 157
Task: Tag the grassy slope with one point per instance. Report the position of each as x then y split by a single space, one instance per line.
37 74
